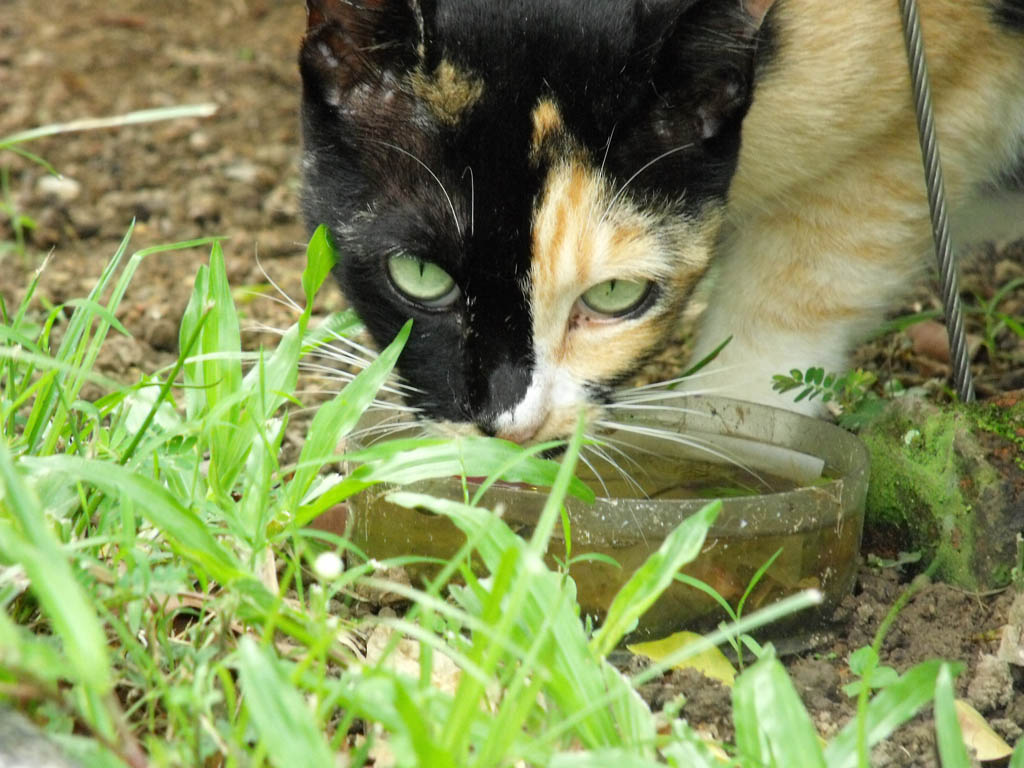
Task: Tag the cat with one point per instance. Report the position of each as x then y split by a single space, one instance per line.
541 184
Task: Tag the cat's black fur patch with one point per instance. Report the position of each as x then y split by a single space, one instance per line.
1010 14
632 79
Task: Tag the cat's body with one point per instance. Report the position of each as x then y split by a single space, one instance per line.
827 219
541 184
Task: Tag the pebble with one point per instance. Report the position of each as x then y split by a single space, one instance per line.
199 141
930 339
1006 270
63 188
205 207
282 204
242 171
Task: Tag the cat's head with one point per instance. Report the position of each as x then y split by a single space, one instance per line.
537 183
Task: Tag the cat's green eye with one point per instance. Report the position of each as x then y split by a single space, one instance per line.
616 297
421 281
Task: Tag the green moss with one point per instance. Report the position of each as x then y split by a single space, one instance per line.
915 488
1007 423
936 484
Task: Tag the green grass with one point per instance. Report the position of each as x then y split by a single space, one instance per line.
161 605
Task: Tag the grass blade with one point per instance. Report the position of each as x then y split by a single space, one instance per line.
188 534
279 714
890 708
117 121
26 539
772 725
336 418
948 736
598 704
320 259
1017 760
653 577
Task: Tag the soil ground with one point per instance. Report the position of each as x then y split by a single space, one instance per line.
236 174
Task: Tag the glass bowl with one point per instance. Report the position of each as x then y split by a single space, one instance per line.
788 483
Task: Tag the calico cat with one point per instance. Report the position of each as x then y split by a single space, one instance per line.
541 184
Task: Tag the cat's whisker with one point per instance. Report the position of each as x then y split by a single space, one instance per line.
594 472
367 353
381 430
284 302
657 397
681 379
434 176
342 358
628 478
636 521
643 168
649 407
593 208
654 395
375 405
328 373
343 380
399 408
332 352
472 199
608 147
688 441
612 445
325 350
284 297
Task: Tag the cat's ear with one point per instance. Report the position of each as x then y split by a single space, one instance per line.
349 42
704 71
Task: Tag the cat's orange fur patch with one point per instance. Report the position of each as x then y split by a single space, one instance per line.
449 91
583 234
547 122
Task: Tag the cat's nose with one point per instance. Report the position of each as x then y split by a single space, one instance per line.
506 386
512 417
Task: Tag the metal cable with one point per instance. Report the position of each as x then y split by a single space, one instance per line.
948 274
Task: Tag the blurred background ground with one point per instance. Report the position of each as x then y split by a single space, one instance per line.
234 174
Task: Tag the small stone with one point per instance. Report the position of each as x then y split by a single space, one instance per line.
199 141
1006 270
930 340
205 207
281 205
62 188
250 174
242 171
991 687
162 334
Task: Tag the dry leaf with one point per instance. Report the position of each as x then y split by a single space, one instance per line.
978 734
712 662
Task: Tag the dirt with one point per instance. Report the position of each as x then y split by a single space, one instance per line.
235 174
